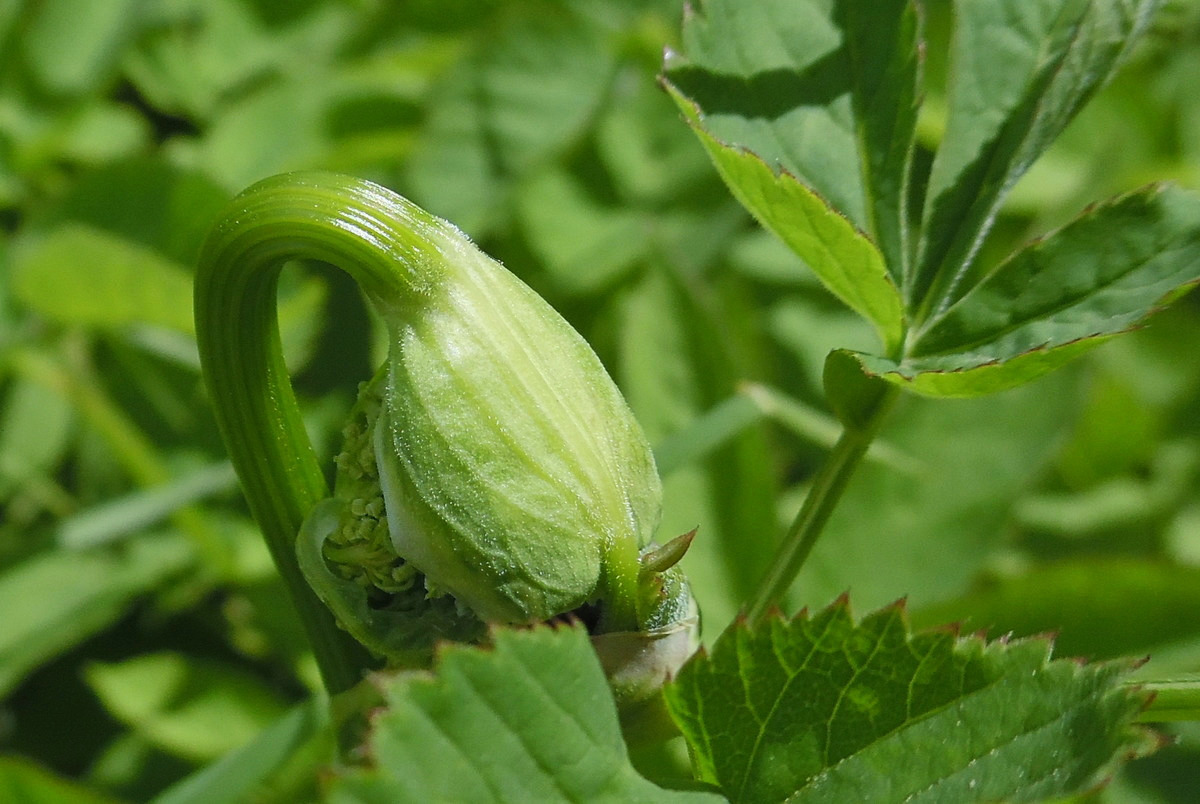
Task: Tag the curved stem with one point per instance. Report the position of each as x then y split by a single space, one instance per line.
822 498
375 237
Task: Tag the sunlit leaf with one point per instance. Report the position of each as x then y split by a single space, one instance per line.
82 275
531 719
1019 73
1099 276
822 708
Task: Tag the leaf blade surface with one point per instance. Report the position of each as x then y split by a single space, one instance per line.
823 708
532 719
1099 276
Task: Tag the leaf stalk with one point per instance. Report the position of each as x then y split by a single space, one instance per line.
823 496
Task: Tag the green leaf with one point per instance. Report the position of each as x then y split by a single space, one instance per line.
822 708
72 45
882 41
200 54
35 424
523 91
193 708
54 601
707 433
282 127
235 777
773 77
23 781
927 531
83 275
531 719
585 246
846 261
1019 73
647 155
1099 276
148 201
1097 607
854 396
730 497
119 517
100 132
767 89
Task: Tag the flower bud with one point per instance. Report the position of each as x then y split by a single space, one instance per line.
492 462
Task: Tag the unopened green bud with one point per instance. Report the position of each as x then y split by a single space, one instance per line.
513 472
491 470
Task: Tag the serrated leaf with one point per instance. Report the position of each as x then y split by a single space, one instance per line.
531 719
1019 73
768 88
847 262
1099 276
823 708
883 50
774 78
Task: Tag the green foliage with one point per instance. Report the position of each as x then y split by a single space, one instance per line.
949 325
531 719
199 711
21 780
822 708
1054 299
59 599
905 184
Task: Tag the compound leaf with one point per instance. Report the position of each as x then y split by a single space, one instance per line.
843 257
1099 276
1019 73
785 95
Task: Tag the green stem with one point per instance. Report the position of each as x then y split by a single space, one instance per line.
621 609
1174 699
823 496
311 216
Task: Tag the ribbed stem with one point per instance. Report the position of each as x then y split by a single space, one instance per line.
354 225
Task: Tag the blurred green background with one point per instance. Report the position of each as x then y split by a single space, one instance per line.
142 632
